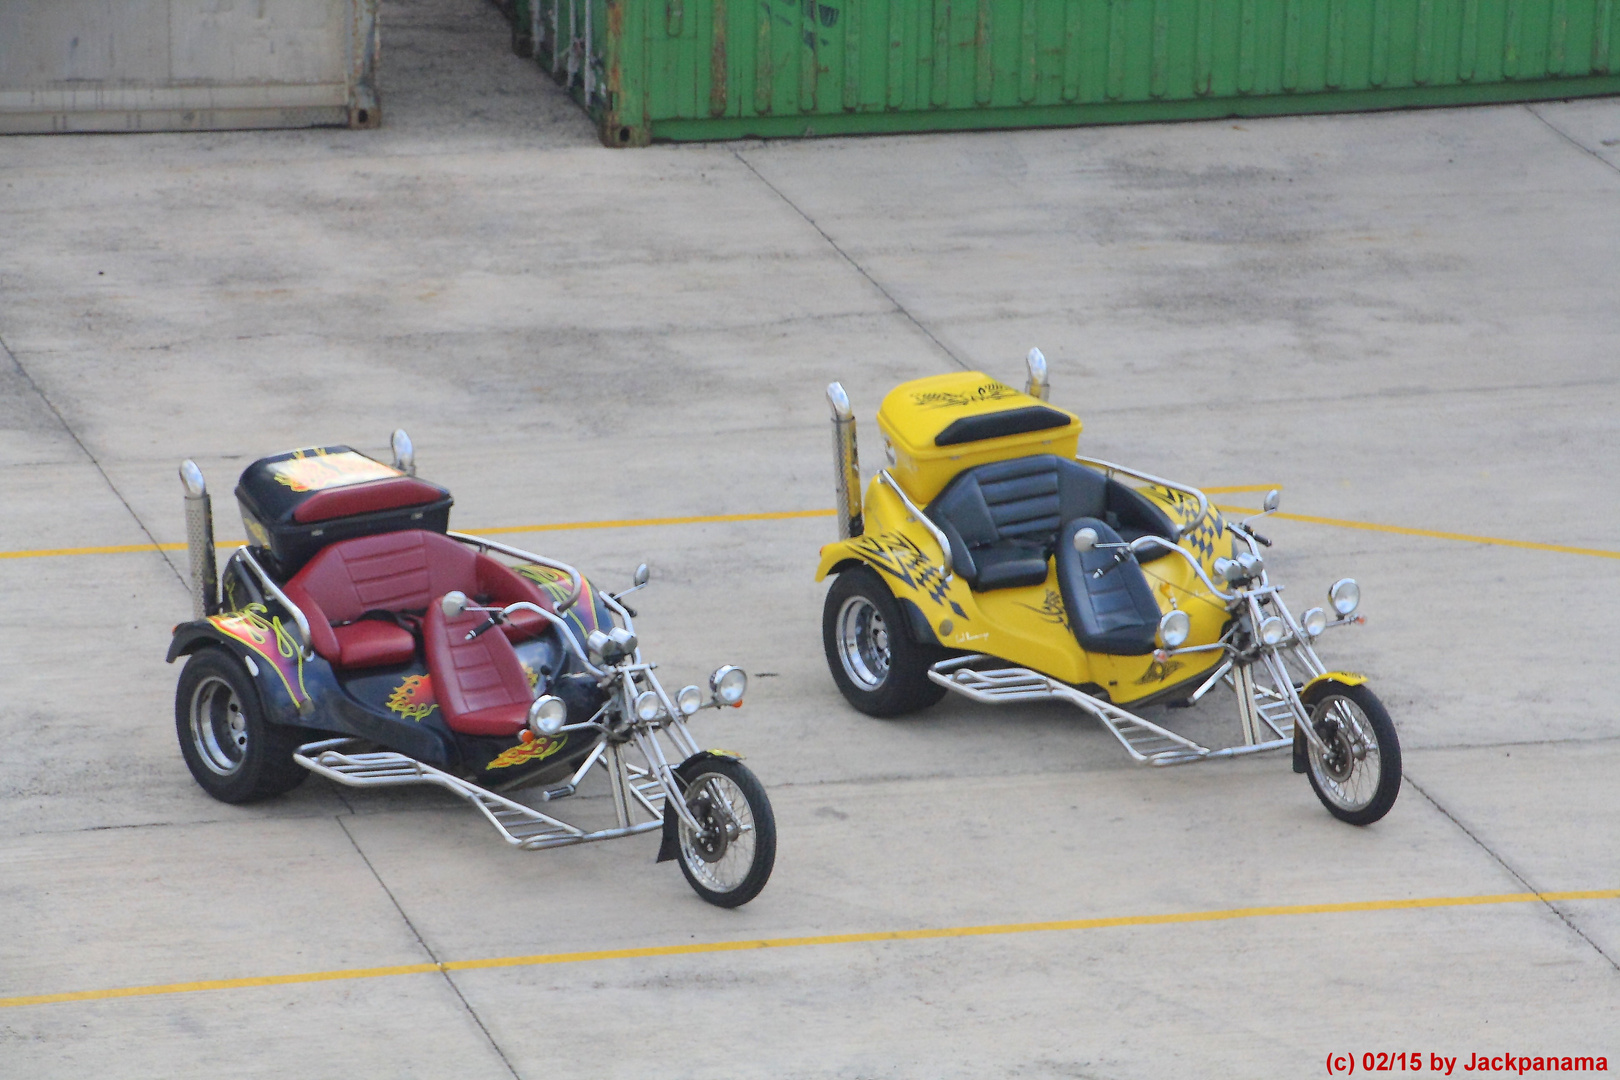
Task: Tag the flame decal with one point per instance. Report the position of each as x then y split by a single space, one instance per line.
256 628
413 698
525 752
318 471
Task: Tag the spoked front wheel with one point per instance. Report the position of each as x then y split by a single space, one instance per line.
730 859
1359 774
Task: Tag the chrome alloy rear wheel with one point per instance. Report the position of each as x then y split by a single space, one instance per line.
863 643
872 655
219 731
232 750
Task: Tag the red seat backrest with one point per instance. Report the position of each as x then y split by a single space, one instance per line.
397 571
480 684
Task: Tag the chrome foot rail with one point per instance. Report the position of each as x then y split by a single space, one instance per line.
1145 741
521 826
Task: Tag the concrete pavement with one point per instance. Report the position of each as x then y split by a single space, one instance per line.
1404 319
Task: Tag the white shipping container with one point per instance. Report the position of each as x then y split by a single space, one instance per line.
176 65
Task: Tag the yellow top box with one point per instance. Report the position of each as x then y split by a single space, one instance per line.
936 427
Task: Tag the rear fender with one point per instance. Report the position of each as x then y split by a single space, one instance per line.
670 845
1310 695
283 704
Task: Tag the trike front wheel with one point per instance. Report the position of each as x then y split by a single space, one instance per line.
1359 774
730 859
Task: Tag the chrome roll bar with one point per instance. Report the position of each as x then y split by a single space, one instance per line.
281 598
1110 468
518 553
927 523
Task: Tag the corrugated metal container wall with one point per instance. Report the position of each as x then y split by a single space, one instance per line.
159 65
705 69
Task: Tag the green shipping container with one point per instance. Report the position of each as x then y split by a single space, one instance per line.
723 69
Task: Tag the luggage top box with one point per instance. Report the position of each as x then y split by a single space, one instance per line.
296 503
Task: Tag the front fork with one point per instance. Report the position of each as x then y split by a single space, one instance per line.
1276 669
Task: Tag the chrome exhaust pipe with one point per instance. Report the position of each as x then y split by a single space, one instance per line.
846 464
404 452
1036 385
204 577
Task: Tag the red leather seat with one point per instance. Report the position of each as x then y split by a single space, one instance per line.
481 685
404 571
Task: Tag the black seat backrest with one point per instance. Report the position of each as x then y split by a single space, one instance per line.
1022 502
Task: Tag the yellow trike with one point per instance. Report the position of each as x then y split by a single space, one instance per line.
988 558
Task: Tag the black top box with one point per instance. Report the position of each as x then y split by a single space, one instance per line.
296 503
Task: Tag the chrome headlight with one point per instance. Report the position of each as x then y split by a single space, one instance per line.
648 706
689 700
597 642
1314 621
547 715
1346 596
729 684
1174 628
1273 630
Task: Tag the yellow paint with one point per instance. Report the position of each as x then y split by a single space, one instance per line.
1344 678
914 413
707 947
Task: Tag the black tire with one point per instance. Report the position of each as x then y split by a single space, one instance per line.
730 861
1359 790
878 667
233 752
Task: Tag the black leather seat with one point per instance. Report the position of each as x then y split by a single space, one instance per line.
1003 519
1114 614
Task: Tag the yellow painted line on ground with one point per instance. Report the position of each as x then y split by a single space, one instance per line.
708 947
1432 534
789 515
617 523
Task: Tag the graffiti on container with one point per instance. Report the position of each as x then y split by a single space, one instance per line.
803 10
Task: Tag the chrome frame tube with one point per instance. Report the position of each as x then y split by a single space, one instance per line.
1203 501
574 575
281 598
1149 541
934 530
567 634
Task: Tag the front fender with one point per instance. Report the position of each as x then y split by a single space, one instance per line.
1309 694
671 841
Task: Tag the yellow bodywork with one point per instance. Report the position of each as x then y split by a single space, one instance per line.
1026 626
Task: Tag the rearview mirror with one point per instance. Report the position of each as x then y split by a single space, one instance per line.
1085 540
641 575
454 604
1273 500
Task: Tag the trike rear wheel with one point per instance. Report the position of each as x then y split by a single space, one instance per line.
233 752
1359 775
729 861
874 661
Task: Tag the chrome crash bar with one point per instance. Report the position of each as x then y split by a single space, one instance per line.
927 523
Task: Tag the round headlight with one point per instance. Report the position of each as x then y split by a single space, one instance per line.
1346 596
547 715
729 684
690 700
1273 630
648 706
1314 621
1174 628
